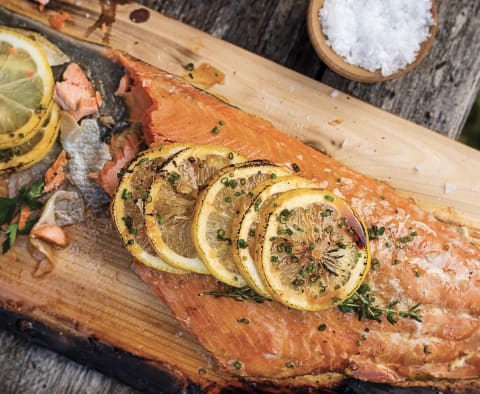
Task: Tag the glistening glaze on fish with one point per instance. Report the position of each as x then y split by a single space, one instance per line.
419 260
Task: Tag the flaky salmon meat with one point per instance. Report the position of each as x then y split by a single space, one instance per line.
417 260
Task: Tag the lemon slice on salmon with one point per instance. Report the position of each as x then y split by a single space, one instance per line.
168 214
312 249
129 200
228 195
26 88
34 150
245 226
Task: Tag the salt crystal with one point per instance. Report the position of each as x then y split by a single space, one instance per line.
334 93
323 184
449 187
419 167
377 34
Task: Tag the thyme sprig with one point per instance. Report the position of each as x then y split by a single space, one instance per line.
244 293
363 303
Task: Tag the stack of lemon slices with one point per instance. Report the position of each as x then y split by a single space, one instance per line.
29 118
205 209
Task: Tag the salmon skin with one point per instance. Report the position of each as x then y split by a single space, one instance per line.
419 260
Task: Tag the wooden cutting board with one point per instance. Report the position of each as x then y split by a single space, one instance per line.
93 307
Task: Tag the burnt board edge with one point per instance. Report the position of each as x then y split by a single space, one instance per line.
141 374
153 376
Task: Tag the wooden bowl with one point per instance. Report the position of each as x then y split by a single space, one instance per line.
337 64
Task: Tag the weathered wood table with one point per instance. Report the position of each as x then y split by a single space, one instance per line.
438 95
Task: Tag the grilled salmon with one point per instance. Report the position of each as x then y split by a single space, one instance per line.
75 94
418 261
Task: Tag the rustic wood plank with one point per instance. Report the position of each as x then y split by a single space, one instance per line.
276 30
438 94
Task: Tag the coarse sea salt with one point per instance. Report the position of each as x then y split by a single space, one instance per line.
380 35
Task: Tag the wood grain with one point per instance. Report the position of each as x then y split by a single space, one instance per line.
438 94
93 291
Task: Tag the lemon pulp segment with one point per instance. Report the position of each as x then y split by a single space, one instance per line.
168 215
245 226
129 201
26 87
227 196
312 249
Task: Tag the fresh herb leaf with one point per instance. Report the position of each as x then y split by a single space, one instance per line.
29 196
9 207
363 304
11 232
7 210
36 190
238 294
374 232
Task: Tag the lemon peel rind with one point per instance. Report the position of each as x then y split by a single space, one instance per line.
200 222
40 114
118 207
244 261
191 264
268 224
41 148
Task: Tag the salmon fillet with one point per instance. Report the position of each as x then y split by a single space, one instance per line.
435 267
75 94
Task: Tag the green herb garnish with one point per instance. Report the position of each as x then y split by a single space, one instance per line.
242 244
363 304
322 327
10 207
238 294
375 232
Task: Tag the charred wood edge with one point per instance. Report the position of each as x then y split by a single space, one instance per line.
139 373
155 377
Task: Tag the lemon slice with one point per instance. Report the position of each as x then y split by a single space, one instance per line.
26 87
34 150
245 226
55 55
312 249
168 215
129 200
228 196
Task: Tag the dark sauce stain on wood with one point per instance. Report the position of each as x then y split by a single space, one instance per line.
106 19
139 15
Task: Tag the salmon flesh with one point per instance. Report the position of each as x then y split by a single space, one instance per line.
419 260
